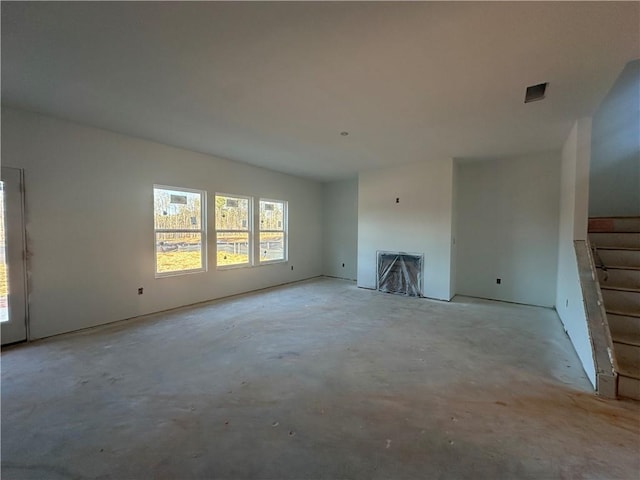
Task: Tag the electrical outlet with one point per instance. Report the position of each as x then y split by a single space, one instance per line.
292 268
343 265
498 281
140 291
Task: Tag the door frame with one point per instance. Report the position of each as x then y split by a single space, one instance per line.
23 257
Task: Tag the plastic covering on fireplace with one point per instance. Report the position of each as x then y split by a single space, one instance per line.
400 273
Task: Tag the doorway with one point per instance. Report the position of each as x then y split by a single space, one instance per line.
13 278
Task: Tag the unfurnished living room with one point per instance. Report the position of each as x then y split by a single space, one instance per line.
320 240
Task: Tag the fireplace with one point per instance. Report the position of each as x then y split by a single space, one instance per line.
400 273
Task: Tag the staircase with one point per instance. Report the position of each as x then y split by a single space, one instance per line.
616 247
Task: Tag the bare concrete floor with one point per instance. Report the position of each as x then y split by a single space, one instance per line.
318 379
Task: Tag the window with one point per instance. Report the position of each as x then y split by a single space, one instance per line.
233 231
273 231
180 230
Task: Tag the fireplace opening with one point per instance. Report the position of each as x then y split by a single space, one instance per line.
400 273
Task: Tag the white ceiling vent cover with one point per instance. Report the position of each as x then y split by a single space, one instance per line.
535 92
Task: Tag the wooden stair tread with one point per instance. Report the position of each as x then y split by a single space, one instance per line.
622 313
626 339
618 267
626 371
613 225
619 289
630 249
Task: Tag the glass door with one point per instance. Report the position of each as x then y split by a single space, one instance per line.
13 298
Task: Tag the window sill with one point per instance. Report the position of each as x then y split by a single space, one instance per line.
232 267
180 272
271 262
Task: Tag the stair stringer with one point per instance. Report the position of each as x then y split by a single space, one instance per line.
599 333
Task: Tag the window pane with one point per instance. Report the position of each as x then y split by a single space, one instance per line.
232 213
178 251
175 209
271 246
271 215
232 248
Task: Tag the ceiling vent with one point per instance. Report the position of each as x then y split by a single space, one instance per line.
535 92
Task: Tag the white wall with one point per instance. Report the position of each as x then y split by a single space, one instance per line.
573 220
615 157
419 223
90 225
507 228
340 235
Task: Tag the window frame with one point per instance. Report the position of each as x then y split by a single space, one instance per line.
202 231
249 231
284 231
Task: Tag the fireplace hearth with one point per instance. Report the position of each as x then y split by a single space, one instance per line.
400 273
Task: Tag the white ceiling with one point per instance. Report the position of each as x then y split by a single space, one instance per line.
274 84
